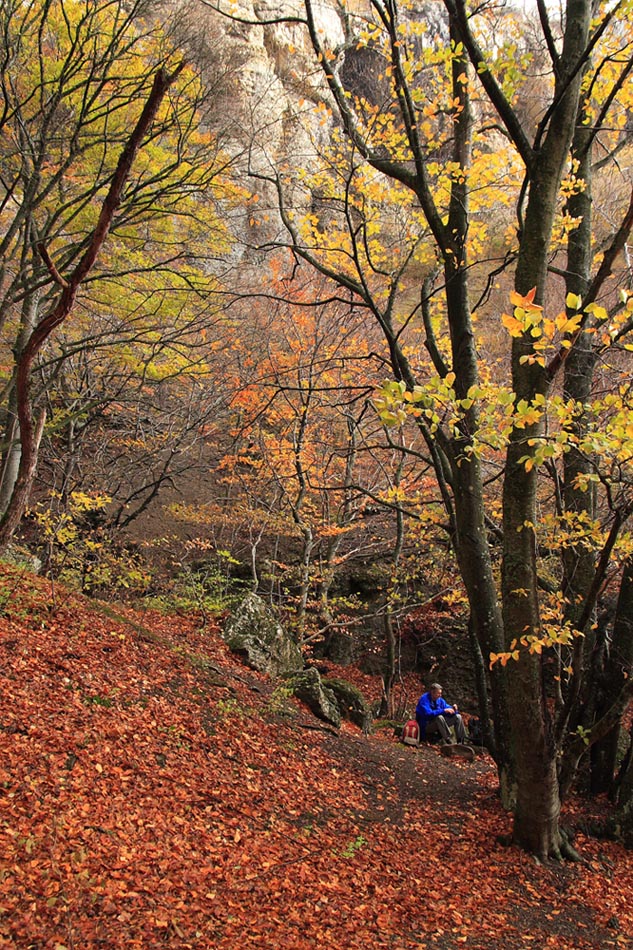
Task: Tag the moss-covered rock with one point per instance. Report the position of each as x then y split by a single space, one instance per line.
351 702
310 689
255 633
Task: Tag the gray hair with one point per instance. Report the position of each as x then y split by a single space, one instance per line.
436 686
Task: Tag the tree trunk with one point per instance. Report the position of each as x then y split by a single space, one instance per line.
624 817
619 668
538 801
389 674
10 456
578 561
13 450
482 689
473 555
305 579
470 541
537 810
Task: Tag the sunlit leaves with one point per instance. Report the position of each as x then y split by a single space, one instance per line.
68 116
546 335
436 404
528 414
365 221
553 633
75 83
550 423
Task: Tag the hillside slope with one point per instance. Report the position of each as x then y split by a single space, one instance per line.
155 793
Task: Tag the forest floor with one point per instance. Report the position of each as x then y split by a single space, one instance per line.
156 793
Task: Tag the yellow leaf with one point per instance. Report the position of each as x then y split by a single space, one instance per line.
598 312
512 325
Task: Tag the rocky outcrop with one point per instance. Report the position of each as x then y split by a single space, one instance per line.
20 557
276 122
310 689
350 702
255 633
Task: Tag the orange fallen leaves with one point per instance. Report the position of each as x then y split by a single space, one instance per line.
142 806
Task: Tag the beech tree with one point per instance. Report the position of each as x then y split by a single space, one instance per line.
438 134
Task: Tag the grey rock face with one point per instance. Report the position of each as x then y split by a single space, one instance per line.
255 633
308 687
351 702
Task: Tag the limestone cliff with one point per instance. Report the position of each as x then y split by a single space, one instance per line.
273 88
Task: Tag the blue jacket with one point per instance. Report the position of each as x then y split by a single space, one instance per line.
428 709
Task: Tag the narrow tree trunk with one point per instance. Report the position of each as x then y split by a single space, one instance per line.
344 519
578 561
10 456
624 817
389 673
619 668
304 577
471 542
475 564
13 450
482 689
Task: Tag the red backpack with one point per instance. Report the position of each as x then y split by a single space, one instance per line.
411 732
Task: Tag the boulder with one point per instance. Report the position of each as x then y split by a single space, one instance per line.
309 688
21 557
351 702
339 648
255 633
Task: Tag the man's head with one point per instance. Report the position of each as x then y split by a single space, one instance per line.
435 690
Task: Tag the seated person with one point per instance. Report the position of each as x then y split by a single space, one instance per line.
436 717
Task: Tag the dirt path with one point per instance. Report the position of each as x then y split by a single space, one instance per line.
396 777
414 773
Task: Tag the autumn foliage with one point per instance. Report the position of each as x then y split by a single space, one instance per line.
156 793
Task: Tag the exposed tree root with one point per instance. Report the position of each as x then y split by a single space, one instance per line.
562 851
565 850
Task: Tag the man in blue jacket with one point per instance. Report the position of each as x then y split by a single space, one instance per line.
435 716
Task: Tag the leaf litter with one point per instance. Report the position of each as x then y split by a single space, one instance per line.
153 794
